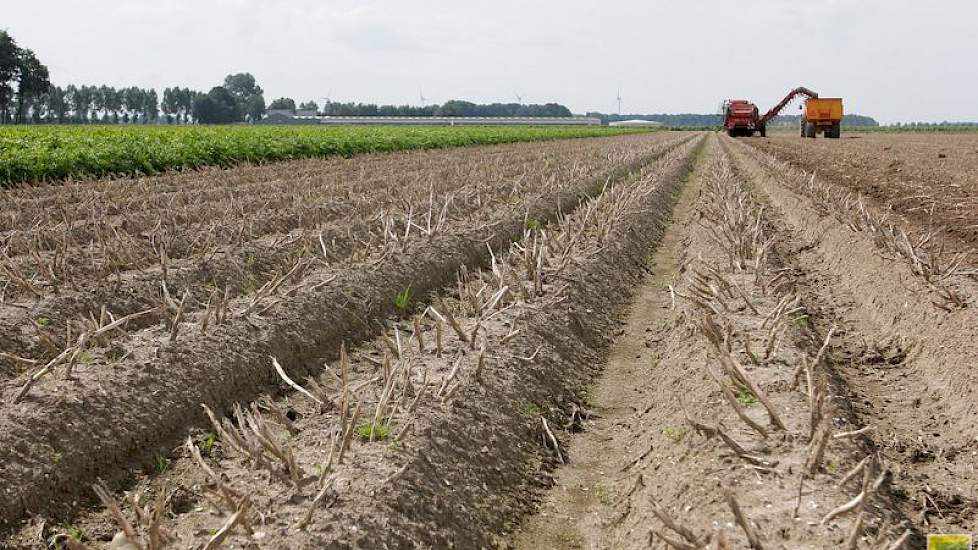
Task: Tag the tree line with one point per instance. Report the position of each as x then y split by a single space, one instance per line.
451 108
27 96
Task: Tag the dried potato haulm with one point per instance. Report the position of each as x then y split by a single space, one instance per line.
217 352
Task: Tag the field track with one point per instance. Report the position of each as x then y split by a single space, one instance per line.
667 341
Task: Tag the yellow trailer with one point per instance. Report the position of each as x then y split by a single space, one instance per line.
822 115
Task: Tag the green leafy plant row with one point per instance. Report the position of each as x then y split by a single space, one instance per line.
53 153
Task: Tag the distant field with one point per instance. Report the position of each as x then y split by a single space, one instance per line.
887 129
52 153
913 129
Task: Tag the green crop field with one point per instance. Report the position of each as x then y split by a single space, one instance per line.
53 153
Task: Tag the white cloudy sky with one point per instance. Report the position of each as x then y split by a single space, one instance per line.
892 59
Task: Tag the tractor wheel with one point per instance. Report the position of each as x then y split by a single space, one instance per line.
763 130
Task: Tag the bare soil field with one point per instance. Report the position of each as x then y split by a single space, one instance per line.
663 341
134 390
929 180
785 379
67 252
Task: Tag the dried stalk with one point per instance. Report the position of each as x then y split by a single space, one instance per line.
281 372
316 502
900 541
737 373
753 540
553 440
687 534
732 400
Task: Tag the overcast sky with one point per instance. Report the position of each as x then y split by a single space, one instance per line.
896 60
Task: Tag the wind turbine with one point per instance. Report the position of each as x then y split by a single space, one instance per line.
519 98
618 97
423 98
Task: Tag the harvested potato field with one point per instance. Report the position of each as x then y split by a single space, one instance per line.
929 180
668 340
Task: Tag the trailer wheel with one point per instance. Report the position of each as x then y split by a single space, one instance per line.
763 130
810 129
835 131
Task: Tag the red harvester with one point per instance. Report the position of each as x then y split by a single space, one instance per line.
740 117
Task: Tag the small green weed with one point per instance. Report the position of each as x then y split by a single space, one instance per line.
745 397
532 410
533 224
601 493
206 443
948 542
43 321
160 463
114 354
380 431
403 299
74 532
674 433
66 531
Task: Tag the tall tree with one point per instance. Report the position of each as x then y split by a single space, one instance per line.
186 101
56 106
170 104
132 103
217 106
309 106
32 84
247 94
151 105
283 103
9 71
113 102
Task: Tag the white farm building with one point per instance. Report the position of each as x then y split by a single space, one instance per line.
635 123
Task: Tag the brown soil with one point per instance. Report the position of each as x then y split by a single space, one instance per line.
132 408
462 473
716 415
75 249
887 368
930 180
900 362
575 511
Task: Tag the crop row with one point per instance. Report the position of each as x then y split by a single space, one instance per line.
545 265
121 264
298 322
32 154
